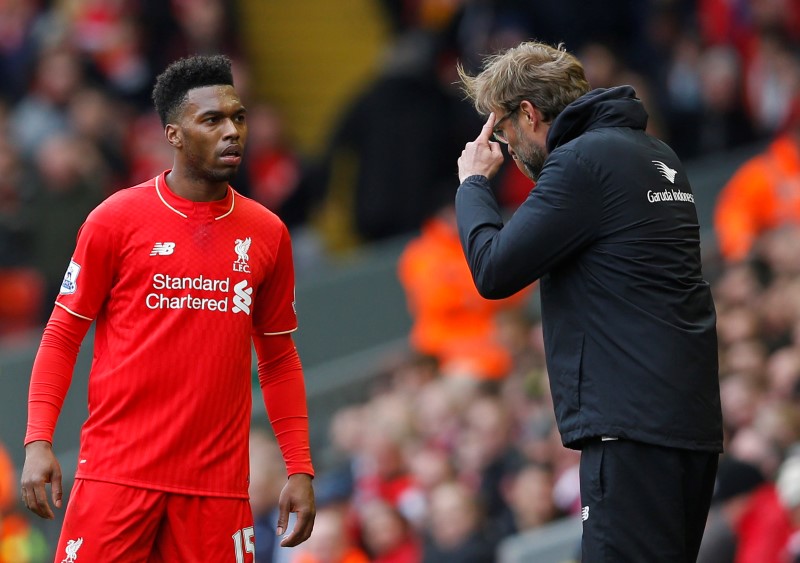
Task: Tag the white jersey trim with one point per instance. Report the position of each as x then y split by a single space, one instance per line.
233 200
282 332
164 201
71 312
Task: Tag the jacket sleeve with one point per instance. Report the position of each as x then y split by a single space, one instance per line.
560 216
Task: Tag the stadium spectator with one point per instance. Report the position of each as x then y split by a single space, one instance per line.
94 117
764 527
735 484
375 148
18 47
331 541
384 474
454 530
14 232
274 173
487 457
772 78
788 485
762 195
147 154
529 493
109 35
387 535
67 180
720 123
43 111
451 321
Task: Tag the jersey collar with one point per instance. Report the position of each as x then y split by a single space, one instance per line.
186 208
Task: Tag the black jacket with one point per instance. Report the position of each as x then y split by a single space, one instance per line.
612 231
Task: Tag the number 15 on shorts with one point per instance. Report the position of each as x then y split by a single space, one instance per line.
243 542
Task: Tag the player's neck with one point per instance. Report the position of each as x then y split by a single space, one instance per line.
195 189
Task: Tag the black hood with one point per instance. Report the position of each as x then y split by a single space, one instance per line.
602 107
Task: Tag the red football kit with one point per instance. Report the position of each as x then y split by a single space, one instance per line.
179 291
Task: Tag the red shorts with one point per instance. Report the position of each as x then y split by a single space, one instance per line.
108 522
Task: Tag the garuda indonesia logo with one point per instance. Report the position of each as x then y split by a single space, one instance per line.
242 247
666 171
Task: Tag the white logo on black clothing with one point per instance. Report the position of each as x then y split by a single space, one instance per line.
242 247
669 195
163 249
584 513
72 550
70 282
666 171
242 297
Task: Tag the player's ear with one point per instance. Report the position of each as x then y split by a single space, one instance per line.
174 135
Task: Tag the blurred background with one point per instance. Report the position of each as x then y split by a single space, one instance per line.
432 428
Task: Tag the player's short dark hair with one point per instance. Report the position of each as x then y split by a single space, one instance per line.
172 85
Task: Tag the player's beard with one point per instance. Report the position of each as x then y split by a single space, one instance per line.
224 175
204 172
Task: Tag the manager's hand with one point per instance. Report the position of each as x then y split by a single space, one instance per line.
41 467
481 156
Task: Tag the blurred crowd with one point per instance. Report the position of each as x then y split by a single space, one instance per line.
456 447
76 121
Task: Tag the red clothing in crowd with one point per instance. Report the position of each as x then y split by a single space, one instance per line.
764 530
762 195
451 320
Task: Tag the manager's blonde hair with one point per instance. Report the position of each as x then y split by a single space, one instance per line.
548 77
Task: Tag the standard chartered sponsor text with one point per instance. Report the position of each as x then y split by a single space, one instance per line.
188 301
165 281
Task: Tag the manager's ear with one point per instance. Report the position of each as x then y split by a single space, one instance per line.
531 115
174 135
528 111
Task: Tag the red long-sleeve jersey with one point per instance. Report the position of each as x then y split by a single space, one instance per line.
179 291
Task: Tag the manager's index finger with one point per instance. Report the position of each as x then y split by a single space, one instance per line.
487 130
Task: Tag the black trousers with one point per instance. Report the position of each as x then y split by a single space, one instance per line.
643 503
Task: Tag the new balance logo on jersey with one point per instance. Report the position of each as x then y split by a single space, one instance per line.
242 298
584 513
666 171
72 550
163 249
242 247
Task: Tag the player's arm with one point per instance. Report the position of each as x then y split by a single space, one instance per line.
280 375
50 380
